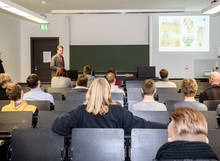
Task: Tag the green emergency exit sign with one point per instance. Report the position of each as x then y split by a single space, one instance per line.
44 27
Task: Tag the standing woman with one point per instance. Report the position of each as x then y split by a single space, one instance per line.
4 79
99 111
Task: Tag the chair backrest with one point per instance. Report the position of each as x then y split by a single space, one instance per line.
169 104
36 145
212 104
41 105
46 118
118 97
214 137
66 105
156 116
133 84
3 103
163 97
59 90
146 142
14 119
97 145
58 96
211 119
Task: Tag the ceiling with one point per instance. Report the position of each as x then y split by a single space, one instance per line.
37 6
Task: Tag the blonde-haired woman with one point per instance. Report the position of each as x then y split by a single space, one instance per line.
4 79
99 111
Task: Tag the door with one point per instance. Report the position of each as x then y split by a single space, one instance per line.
42 49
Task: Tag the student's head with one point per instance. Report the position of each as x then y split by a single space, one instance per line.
33 81
14 91
148 87
87 69
189 87
4 79
98 97
111 78
187 124
59 49
61 72
82 80
164 74
214 78
111 70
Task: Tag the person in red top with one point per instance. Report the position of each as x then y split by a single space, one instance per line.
118 80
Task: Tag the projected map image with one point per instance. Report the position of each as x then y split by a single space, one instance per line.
184 33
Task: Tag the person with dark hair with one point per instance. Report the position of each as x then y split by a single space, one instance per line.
82 82
4 79
118 81
164 82
189 88
187 138
36 94
99 111
15 94
87 69
148 103
57 61
213 92
111 80
61 80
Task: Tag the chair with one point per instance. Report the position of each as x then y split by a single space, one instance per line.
46 118
59 90
41 105
146 142
211 119
3 103
156 116
169 104
212 104
118 97
214 137
77 95
10 120
67 105
97 145
133 83
58 96
36 145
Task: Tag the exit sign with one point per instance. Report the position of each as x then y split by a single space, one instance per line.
44 27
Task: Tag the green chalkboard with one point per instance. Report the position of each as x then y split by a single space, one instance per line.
124 58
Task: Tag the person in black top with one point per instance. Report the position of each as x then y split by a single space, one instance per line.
213 92
187 138
4 79
99 111
1 67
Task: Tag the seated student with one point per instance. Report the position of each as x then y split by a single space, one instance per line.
36 94
213 92
99 111
164 82
61 80
15 94
82 82
148 103
87 70
111 80
187 138
4 79
118 81
189 89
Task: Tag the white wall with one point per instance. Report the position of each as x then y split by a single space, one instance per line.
58 27
182 64
109 29
10 45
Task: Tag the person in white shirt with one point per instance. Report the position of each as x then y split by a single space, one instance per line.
36 94
112 80
164 82
148 103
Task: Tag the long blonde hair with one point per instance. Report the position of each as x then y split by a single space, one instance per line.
98 97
